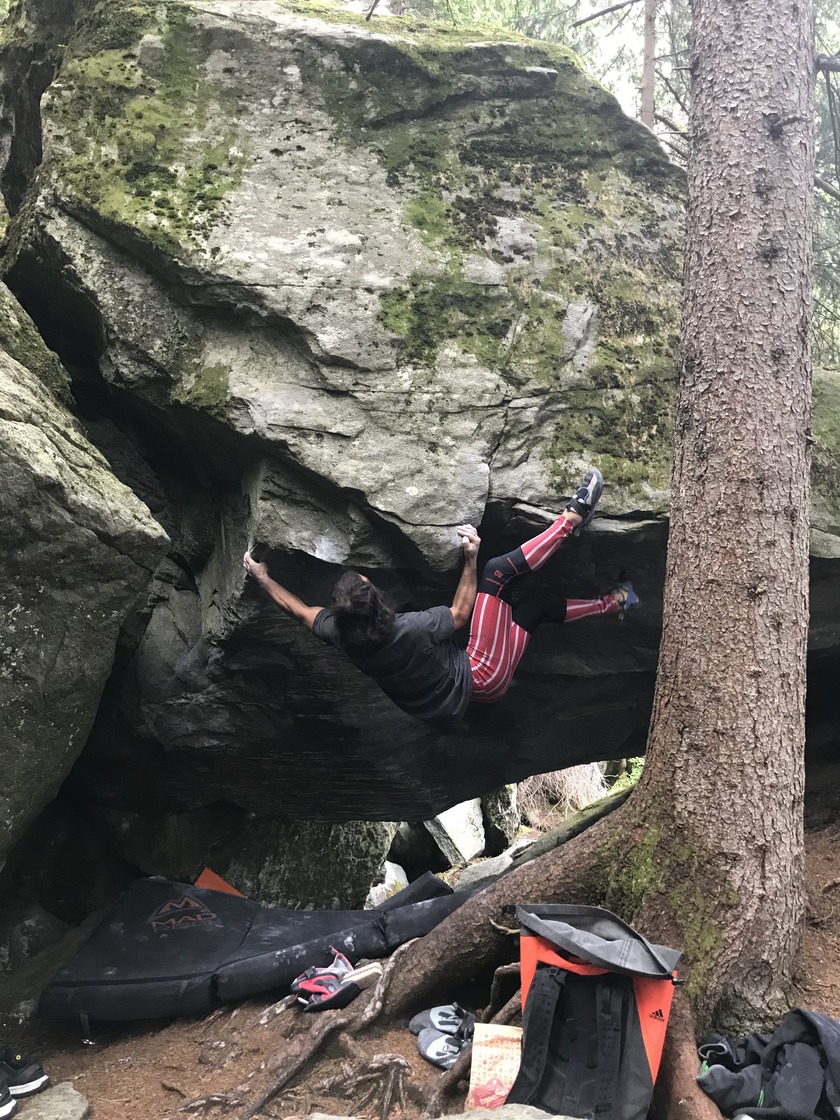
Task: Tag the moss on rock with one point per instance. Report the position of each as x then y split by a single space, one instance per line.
205 387
20 339
529 190
158 147
505 151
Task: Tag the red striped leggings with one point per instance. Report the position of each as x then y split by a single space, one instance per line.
499 633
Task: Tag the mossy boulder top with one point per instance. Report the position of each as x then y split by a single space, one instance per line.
429 267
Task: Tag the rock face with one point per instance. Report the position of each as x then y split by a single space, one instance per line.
77 548
335 290
459 831
332 288
274 861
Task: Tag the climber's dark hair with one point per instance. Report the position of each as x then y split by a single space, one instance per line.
363 618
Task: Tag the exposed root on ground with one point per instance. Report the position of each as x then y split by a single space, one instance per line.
677 1095
299 1051
291 1059
502 973
381 1079
224 1101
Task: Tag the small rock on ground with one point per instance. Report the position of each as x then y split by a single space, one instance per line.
60 1102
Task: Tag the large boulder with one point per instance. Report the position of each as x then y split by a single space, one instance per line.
333 287
77 548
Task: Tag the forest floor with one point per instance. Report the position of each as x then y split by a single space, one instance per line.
151 1072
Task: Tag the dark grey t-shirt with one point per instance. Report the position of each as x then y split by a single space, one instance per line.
419 667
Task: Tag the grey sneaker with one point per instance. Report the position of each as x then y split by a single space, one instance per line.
585 498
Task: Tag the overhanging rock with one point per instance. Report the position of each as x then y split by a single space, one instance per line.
336 287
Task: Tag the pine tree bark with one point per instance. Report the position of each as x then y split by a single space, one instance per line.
721 800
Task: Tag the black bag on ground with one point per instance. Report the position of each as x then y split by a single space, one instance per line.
596 998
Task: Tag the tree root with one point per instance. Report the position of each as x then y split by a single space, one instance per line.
383 986
511 1009
499 976
677 1095
571 827
293 1058
466 942
225 1101
381 1079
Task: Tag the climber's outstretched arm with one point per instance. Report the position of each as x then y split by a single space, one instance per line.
464 601
285 600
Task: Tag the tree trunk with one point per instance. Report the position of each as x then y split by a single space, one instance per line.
719 808
648 109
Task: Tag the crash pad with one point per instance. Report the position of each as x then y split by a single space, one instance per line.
170 949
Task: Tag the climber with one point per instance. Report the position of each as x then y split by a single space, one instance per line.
412 656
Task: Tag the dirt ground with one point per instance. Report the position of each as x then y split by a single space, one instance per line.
152 1072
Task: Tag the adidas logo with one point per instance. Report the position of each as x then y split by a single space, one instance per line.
657 1015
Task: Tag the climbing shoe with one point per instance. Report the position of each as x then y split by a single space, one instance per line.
337 970
23 1075
626 597
442 1048
585 498
323 993
450 1018
336 985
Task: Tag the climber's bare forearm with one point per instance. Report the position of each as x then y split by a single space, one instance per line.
289 603
464 601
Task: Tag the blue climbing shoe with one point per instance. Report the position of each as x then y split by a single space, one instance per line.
626 597
585 498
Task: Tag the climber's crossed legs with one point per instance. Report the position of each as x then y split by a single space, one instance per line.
499 633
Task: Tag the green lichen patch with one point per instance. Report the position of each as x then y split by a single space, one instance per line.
635 873
433 311
138 131
653 869
20 339
204 386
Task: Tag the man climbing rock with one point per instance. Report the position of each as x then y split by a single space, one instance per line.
412 656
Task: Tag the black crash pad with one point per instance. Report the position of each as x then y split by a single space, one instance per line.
169 949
